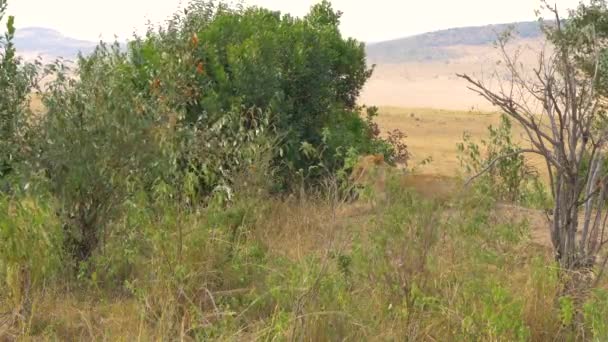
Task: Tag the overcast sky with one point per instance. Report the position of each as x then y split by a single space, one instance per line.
366 20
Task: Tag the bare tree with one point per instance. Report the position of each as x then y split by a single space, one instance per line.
563 116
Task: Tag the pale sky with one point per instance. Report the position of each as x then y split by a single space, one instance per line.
368 21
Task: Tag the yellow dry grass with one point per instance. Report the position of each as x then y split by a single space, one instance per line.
435 133
297 229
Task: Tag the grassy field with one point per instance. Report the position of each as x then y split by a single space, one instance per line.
405 268
434 133
211 185
420 259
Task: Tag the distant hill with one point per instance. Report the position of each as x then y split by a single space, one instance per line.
433 46
49 44
417 71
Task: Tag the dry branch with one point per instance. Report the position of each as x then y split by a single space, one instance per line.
558 108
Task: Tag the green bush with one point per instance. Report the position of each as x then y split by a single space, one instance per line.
104 139
188 107
30 247
17 80
302 71
94 146
509 177
595 311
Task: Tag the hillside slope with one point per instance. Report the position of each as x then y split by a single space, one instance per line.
49 44
420 71
416 71
434 46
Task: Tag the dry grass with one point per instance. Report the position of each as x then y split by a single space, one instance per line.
476 252
435 133
298 228
462 269
63 315
460 276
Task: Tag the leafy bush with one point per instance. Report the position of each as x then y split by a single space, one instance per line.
94 146
300 70
105 138
595 311
30 248
30 237
191 105
504 172
17 80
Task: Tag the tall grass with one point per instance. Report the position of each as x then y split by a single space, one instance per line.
271 269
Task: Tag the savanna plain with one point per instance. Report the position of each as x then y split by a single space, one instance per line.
226 178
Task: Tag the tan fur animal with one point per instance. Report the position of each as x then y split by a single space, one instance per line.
371 172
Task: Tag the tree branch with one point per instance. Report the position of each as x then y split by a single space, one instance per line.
497 159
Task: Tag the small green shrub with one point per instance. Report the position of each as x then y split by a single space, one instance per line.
104 140
510 177
94 146
30 248
595 311
17 80
566 310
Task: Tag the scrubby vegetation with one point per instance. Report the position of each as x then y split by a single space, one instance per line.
197 185
511 178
